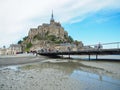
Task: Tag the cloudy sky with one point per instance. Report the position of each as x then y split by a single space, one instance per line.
90 21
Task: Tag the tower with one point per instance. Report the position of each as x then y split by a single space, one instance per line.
52 18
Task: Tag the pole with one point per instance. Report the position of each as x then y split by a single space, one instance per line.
96 56
89 57
118 45
69 56
62 56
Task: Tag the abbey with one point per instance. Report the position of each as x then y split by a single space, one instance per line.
54 28
47 35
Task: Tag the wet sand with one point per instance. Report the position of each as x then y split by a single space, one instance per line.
29 72
19 59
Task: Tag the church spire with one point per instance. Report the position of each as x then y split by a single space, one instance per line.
52 17
52 14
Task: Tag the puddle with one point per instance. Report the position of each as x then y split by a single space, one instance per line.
15 68
93 81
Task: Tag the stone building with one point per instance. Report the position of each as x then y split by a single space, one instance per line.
2 51
45 35
54 28
48 36
12 50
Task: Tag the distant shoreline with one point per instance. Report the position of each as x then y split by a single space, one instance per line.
18 59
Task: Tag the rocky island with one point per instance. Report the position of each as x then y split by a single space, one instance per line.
49 36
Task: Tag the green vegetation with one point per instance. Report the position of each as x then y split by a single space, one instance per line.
70 39
55 39
28 46
58 41
37 37
76 42
25 38
20 42
45 36
51 38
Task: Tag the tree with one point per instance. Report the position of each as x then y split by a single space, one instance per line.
77 42
19 42
4 47
29 45
25 38
70 39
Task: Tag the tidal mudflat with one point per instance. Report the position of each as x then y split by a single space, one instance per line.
59 74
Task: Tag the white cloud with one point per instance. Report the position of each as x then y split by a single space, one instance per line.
18 16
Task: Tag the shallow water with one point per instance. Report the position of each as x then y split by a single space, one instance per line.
93 81
57 74
100 57
90 78
14 67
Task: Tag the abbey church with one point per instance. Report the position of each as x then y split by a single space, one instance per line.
46 36
54 28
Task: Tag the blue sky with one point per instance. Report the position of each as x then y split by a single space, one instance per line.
103 27
89 21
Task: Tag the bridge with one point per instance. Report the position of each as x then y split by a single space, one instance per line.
92 51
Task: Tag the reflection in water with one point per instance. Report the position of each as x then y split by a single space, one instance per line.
96 77
65 67
90 77
95 80
100 77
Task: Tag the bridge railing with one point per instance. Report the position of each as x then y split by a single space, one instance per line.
113 45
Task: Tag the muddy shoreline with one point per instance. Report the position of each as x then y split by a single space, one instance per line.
41 73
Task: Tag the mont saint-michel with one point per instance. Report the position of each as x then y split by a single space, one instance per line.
76 47
48 36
